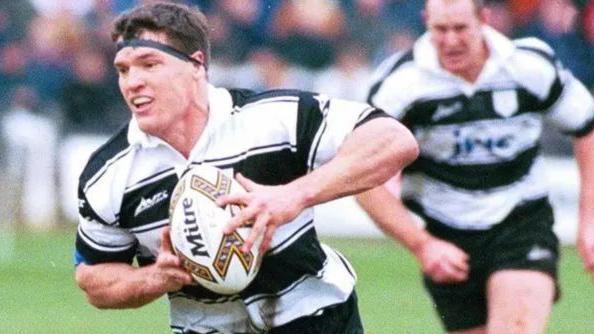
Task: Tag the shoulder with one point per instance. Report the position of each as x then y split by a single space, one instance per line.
285 99
535 46
534 65
399 81
240 96
396 64
114 148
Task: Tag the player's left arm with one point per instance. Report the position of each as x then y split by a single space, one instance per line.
573 113
373 152
584 153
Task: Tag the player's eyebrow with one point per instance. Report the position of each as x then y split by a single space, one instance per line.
145 55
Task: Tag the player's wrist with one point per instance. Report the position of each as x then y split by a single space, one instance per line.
418 245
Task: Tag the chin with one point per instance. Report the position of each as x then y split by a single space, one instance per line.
147 126
454 67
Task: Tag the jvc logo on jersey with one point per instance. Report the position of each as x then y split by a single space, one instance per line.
468 144
147 203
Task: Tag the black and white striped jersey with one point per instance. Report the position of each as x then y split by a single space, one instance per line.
480 141
271 138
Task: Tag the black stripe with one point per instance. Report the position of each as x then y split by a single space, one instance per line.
554 93
304 257
344 263
532 211
93 256
549 57
317 145
115 159
86 210
310 117
282 145
376 113
270 168
156 175
80 231
584 131
477 107
556 87
115 145
197 295
309 224
151 228
240 96
477 177
279 271
145 260
279 294
157 212
406 57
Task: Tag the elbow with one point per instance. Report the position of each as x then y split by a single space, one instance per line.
404 148
398 149
84 280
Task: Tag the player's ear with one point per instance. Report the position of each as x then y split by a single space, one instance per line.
199 63
484 15
199 57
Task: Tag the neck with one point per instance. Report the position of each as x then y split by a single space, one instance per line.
187 131
185 137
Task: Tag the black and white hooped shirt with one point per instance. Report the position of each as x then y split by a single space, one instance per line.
271 138
480 141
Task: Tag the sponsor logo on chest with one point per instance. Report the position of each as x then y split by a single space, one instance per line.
147 203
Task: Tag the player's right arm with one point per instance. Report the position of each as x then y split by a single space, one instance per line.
121 285
442 261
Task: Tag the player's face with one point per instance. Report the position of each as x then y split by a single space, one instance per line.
455 29
158 88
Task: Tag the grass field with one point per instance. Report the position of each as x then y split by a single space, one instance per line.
38 293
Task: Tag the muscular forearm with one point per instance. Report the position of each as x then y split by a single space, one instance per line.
440 260
372 154
117 285
584 153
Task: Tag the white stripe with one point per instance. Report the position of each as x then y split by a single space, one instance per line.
312 294
284 98
315 146
289 241
286 232
95 245
150 180
148 227
474 210
252 152
107 164
365 113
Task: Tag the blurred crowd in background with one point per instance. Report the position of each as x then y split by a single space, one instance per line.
57 80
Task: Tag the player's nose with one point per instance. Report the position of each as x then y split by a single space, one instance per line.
134 80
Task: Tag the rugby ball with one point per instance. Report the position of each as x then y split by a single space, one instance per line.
214 259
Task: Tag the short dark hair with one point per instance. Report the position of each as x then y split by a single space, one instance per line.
186 27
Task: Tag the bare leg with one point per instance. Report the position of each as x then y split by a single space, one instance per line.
519 301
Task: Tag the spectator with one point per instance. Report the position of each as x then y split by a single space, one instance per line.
306 31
